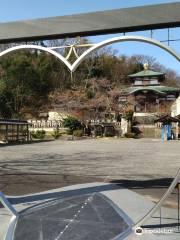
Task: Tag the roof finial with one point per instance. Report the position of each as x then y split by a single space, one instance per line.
146 66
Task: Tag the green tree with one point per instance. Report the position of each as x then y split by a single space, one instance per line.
72 124
17 78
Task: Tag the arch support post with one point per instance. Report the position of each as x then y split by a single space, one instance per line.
8 205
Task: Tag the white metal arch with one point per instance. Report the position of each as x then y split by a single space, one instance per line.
45 49
160 202
73 67
124 39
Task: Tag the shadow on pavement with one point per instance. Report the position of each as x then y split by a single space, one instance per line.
153 183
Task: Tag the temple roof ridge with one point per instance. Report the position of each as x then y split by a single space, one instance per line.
146 73
159 89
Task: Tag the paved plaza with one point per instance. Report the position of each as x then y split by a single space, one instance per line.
37 167
59 163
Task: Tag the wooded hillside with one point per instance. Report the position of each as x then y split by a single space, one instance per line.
34 81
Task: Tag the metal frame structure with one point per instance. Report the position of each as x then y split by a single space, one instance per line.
150 17
45 49
14 218
115 21
7 205
160 203
72 68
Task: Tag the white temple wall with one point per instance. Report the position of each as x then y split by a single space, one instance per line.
175 109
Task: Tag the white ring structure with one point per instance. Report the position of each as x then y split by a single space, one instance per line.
73 67
161 201
124 39
45 49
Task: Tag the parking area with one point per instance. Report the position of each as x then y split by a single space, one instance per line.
41 166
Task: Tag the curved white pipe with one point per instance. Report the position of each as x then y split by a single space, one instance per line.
74 66
31 46
161 201
124 39
7 205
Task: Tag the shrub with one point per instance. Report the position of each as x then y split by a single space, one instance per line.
98 133
72 124
69 132
39 134
109 131
137 132
90 94
109 134
78 133
129 135
56 134
129 115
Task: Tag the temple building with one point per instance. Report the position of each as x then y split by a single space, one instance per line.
148 94
148 98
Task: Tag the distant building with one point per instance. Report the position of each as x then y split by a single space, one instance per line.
148 94
14 131
56 116
149 98
175 109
